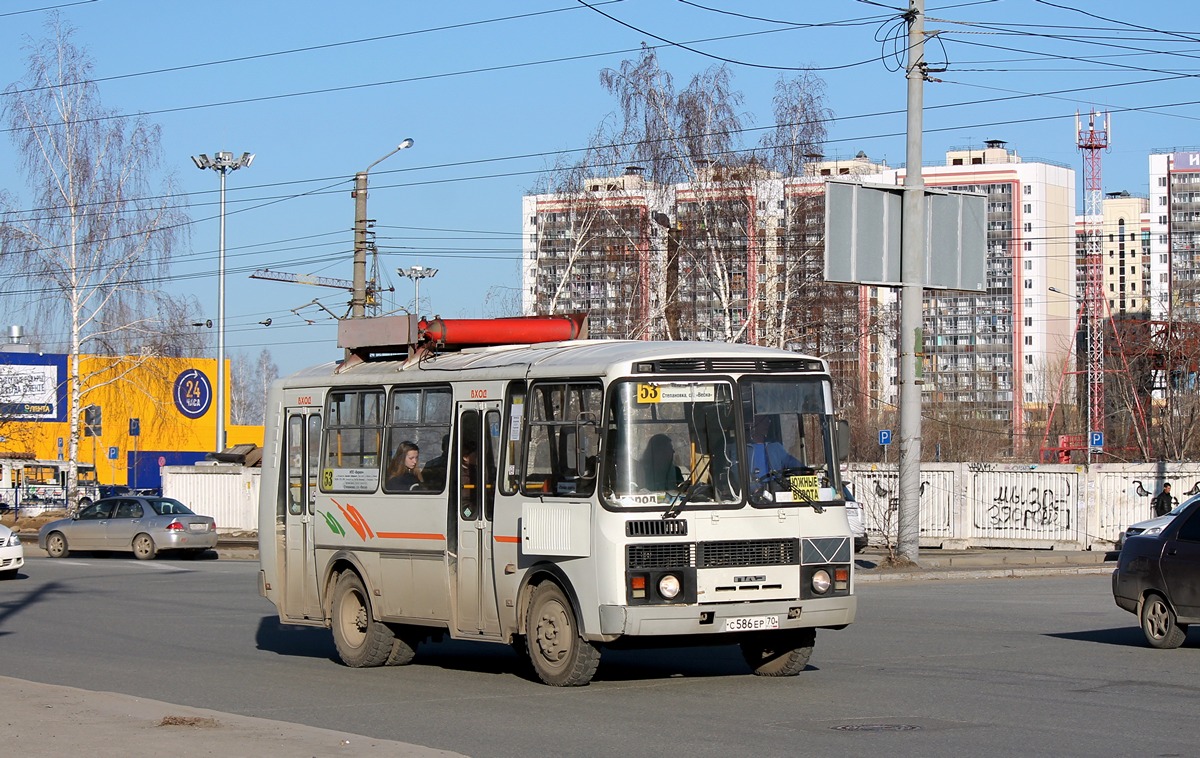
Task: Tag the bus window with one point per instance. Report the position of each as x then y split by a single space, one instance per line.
419 416
665 439
352 441
553 465
295 462
513 425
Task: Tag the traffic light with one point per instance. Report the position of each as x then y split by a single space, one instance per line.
91 421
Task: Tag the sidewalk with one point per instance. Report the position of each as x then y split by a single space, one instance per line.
985 564
48 720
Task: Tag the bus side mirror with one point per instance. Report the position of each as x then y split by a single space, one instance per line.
843 439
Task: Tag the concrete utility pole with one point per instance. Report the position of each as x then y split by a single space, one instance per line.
358 298
912 257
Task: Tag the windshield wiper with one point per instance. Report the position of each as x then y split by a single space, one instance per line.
692 482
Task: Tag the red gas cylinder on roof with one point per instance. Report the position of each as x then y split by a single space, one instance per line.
517 330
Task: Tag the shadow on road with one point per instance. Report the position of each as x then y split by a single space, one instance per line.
490 658
288 639
1126 636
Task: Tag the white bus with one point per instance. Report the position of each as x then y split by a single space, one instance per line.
569 495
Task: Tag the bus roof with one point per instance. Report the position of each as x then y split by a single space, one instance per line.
574 358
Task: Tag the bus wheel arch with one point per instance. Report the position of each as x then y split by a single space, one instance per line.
554 639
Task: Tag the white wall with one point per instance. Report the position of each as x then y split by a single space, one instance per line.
227 493
969 505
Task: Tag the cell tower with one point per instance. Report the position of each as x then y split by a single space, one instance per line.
1091 142
1094 316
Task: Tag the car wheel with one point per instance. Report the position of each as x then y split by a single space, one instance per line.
361 641
561 657
143 547
779 653
1159 624
56 545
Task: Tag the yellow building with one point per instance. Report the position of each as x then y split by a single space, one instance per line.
137 414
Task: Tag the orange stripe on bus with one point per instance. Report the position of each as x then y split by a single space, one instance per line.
409 536
503 538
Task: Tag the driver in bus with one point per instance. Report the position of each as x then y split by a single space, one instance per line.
659 472
765 455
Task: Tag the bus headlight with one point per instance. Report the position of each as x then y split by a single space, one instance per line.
821 582
668 586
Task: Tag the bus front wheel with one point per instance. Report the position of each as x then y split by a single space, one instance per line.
779 653
361 641
560 655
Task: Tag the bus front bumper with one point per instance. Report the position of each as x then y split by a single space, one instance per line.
661 620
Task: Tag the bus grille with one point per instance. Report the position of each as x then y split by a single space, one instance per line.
667 555
656 528
784 552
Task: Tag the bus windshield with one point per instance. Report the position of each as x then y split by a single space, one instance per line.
676 443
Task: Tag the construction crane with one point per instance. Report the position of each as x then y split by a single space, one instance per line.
373 306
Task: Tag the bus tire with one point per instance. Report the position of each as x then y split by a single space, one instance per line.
779 653
404 646
561 657
361 641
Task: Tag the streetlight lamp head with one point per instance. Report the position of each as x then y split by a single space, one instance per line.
407 143
202 161
247 159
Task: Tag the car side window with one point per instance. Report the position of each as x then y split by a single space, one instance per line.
1190 529
128 509
98 510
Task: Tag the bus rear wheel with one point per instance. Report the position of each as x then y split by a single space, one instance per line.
561 657
361 641
779 653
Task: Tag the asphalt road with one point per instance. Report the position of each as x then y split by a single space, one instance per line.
981 668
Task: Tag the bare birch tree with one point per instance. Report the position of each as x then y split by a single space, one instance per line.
96 236
250 380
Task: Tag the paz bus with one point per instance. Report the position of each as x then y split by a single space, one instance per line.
569 495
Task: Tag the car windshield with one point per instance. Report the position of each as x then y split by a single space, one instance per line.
165 506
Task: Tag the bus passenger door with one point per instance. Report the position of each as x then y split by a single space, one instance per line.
303 462
478 449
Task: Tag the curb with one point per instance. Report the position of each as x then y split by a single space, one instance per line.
979 573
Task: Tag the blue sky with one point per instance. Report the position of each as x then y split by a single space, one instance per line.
493 92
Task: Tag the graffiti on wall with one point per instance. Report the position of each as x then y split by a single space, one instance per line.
1017 504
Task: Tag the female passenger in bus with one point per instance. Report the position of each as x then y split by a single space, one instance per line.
403 473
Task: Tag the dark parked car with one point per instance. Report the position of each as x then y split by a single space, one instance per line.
144 525
1158 578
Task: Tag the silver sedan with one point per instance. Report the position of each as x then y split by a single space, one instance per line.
144 525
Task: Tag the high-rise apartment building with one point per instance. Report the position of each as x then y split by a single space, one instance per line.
1175 235
1125 250
738 255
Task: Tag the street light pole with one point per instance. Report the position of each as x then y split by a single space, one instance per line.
358 299
222 163
417 273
